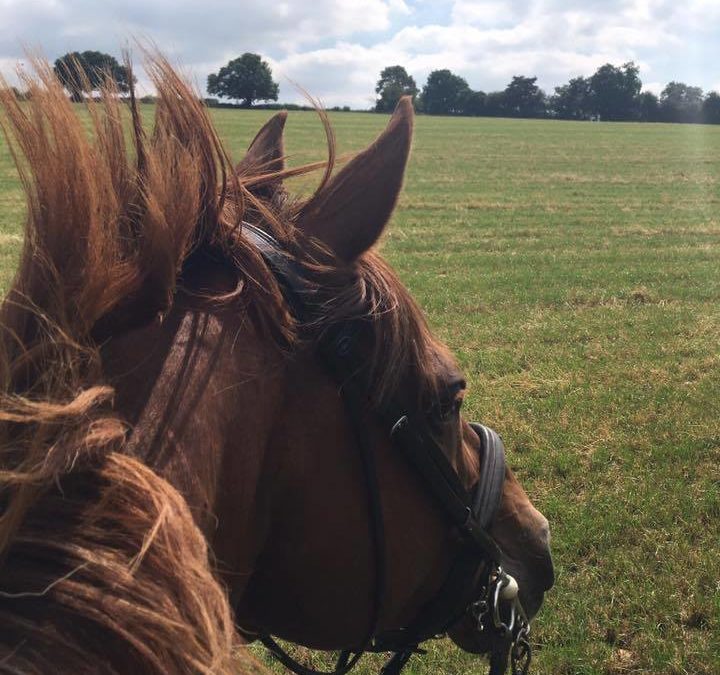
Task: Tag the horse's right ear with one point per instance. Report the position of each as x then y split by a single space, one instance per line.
350 213
266 154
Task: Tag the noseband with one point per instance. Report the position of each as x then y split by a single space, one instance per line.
469 513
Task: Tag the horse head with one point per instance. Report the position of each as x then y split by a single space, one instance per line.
203 383
372 361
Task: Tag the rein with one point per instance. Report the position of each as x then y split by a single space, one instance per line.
469 513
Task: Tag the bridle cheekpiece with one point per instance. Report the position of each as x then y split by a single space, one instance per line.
497 609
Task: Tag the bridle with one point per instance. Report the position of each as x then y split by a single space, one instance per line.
497 609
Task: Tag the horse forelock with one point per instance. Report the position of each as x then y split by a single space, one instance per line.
403 346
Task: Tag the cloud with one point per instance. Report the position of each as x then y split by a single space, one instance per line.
336 48
484 13
195 30
654 87
489 41
341 75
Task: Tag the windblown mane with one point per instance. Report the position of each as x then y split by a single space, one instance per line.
102 568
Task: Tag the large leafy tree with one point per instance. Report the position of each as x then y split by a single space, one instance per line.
445 93
572 100
84 72
475 103
615 91
495 104
711 108
523 98
393 84
680 102
649 107
246 79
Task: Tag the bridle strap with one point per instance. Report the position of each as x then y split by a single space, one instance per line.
451 601
355 408
469 513
286 270
349 658
339 350
488 493
429 461
296 292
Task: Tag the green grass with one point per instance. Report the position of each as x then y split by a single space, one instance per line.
574 268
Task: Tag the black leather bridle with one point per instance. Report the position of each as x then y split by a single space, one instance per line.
470 513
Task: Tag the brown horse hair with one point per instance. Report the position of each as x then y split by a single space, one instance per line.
102 568
402 343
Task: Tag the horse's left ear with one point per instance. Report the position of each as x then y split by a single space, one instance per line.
266 154
350 213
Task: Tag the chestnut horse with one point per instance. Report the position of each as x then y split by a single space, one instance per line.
179 467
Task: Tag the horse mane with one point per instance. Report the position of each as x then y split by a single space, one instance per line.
102 568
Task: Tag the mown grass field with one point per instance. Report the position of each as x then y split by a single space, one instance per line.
574 268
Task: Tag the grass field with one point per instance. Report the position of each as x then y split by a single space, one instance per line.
574 268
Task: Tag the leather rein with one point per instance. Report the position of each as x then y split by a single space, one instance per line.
497 609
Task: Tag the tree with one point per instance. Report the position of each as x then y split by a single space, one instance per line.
649 107
85 72
474 103
495 104
247 78
523 98
444 93
615 91
711 108
681 103
571 101
394 83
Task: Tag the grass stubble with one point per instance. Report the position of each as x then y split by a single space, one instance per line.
574 269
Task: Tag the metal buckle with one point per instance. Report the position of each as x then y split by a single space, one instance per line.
400 424
343 344
516 629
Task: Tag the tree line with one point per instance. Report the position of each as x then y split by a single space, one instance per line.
612 93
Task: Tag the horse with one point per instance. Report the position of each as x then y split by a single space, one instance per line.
185 466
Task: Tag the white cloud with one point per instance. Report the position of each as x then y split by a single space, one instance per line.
400 7
189 27
483 13
336 48
654 87
341 75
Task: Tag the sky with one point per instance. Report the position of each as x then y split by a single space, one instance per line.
335 49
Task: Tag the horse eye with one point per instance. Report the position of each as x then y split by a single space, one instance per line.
447 410
447 406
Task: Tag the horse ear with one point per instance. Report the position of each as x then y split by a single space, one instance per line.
266 154
350 213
